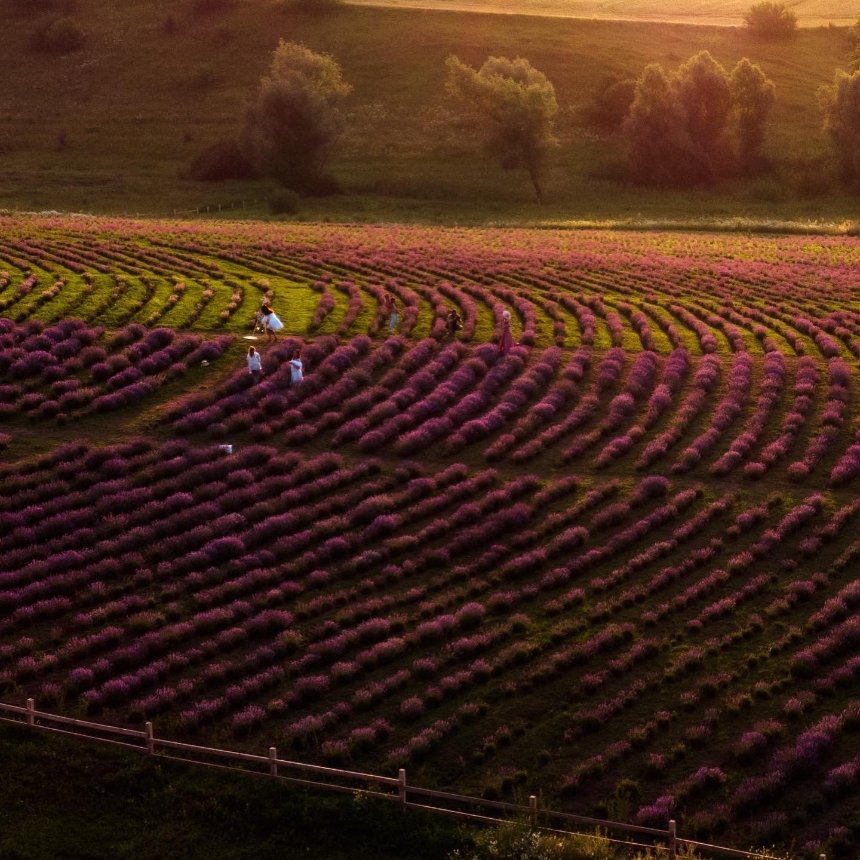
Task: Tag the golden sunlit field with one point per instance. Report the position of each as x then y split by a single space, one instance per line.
729 13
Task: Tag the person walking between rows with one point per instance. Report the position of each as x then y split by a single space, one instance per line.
389 308
506 339
454 322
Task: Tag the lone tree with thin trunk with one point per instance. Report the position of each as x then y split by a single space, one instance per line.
292 123
512 108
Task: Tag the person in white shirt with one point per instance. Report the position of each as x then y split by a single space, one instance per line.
255 364
296 367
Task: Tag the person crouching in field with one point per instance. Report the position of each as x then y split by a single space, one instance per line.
296 368
270 322
255 364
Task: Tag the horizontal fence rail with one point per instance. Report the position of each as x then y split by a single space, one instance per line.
395 789
208 208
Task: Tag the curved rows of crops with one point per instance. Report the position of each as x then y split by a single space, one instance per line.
706 645
639 291
622 551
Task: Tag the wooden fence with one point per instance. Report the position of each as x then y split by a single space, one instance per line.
212 208
394 789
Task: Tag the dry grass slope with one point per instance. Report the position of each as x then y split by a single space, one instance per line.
810 13
112 128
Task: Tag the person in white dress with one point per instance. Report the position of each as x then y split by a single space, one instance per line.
271 323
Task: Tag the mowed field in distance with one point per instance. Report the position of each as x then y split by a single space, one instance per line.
810 13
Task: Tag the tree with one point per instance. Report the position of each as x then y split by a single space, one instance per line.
703 94
658 145
840 103
610 104
512 107
677 129
290 127
770 21
752 98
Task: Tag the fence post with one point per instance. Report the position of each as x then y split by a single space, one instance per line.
673 835
533 810
401 787
150 739
31 706
273 761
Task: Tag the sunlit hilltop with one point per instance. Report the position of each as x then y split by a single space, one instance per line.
810 13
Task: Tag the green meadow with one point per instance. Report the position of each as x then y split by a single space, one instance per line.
113 127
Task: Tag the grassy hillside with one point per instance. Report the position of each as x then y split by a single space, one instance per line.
112 127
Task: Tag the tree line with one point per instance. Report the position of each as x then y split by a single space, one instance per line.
689 127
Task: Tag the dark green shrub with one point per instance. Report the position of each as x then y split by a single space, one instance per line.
770 21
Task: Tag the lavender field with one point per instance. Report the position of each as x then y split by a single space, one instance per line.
616 566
